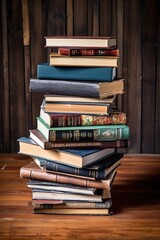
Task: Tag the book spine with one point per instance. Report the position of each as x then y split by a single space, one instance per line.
83 135
106 204
87 120
42 175
51 166
80 89
86 144
88 52
45 71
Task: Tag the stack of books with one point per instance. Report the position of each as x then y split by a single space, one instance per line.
80 138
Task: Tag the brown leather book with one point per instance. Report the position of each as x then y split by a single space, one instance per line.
32 171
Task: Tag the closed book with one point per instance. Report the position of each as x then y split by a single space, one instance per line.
99 170
69 120
42 203
61 187
32 171
73 211
88 52
80 41
80 133
38 137
78 88
46 71
83 61
77 158
76 107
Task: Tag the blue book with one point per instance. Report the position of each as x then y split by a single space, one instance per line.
77 158
45 71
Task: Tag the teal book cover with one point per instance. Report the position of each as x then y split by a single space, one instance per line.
98 132
45 71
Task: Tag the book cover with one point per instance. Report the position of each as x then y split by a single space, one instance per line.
76 107
80 133
98 170
42 203
83 61
73 211
78 88
77 158
32 171
70 120
88 52
38 137
46 71
80 41
61 187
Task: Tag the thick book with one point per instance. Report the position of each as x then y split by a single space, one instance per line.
99 170
46 71
38 137
70 120
80 41
77 158
34 172
77 107
78 88
83 61
88 52
80 133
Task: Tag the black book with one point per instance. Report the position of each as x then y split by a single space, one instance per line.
98 170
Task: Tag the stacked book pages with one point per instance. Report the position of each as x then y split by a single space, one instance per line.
80 137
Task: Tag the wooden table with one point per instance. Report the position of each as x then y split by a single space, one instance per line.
135 196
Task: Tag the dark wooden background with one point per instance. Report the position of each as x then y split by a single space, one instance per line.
136 23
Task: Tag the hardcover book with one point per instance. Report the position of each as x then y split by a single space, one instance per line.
45 71
77 158
32 171
73 211
88 89
80 133
38 137
80 41
70 120
88 52
83 61
60 187
98 170
76 107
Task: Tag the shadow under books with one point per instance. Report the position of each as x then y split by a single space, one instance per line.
139 190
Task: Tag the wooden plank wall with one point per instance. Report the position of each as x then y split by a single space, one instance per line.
24 23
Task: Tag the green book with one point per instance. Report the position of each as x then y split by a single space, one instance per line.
83 133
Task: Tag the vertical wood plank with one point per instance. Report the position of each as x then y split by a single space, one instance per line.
26 46
119 33
5 108
149 75
90 17
157 121
132 56
69 17
38 52
16 74
96 18
105 18
80 17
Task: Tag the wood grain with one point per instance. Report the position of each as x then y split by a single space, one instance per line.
135 196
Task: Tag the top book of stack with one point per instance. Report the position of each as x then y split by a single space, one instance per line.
80 41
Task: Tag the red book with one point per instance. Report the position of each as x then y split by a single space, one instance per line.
88 52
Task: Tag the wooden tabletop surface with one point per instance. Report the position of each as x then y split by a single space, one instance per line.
135 196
